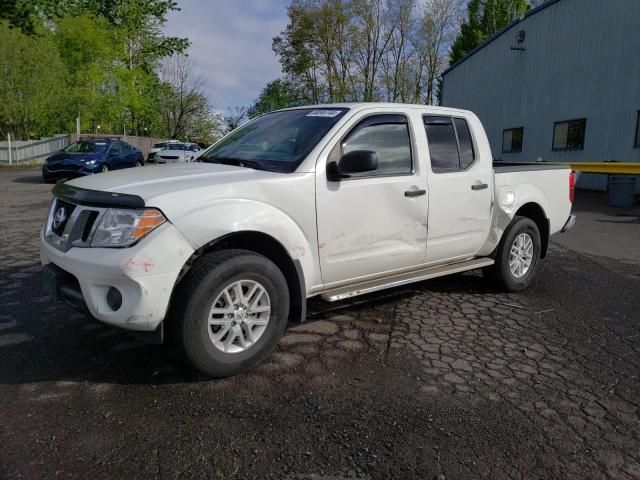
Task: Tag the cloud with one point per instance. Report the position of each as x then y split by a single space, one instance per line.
231 45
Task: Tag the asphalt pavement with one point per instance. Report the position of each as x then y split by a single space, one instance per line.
445 379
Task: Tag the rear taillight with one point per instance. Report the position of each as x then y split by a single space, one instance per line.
572 186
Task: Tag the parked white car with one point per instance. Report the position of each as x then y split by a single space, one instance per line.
332 200
157 147
178 153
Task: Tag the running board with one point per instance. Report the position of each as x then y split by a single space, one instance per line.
356 289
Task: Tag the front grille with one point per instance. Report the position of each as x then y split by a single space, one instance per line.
61 216
169 157
71 225
57 167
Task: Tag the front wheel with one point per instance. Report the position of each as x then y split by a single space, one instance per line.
517 256
230 311
105 168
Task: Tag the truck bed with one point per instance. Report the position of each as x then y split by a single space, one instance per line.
501 167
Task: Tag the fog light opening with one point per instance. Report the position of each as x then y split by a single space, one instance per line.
114 299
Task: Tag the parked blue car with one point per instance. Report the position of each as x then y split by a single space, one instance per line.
88 156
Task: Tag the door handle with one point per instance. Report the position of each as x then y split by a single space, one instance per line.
479 186
414 193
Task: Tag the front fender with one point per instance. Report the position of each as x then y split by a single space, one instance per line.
203 224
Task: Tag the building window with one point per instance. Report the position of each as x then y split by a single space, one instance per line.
512 140
569 135
637 143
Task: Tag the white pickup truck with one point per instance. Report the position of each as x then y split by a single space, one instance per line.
332 200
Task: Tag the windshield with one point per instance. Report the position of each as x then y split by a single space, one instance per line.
176 146
86 147
277 141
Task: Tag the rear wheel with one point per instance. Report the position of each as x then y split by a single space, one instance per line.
517 256
138 164
230 311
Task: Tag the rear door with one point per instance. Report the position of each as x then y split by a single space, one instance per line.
460 189
129 156
114 156
373 222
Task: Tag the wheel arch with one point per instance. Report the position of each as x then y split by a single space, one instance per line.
272 249
536 213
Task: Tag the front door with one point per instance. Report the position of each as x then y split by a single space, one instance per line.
460 189
373 222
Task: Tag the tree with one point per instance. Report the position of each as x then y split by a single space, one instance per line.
235 118
276 95
366 50
26 15
140 22
484 19
185 110
30 101
437 31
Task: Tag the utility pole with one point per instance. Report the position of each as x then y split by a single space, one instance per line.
78 127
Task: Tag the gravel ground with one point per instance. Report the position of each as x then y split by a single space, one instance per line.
443 379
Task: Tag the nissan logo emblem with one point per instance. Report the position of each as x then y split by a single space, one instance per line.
59 217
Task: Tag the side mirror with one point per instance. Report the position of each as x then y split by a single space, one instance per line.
357 161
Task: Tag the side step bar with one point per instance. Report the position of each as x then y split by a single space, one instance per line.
348 291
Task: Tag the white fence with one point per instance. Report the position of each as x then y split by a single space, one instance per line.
31 150
39 150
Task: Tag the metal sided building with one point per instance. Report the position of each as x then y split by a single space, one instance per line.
562 83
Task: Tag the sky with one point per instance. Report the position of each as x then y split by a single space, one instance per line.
231 45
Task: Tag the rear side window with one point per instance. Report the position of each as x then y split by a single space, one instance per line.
388 137
450 144
465 144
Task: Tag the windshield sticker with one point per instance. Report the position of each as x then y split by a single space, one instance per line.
324 113
99 143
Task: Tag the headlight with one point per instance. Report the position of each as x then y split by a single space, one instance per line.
121 227
90 162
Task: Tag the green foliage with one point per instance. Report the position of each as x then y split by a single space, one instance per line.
32 83
96 59
484 19
276 95
25 15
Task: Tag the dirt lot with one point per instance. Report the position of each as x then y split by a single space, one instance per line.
444 379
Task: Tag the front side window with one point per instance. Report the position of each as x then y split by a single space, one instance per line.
387 136
450 144
569 135
278 141
512 140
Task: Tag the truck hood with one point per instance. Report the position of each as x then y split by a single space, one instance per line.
152 182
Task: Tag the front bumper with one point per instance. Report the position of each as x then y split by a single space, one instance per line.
144 274
64 171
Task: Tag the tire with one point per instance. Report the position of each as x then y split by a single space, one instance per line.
104 169
518 233
205 285
138 164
